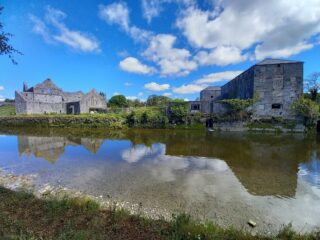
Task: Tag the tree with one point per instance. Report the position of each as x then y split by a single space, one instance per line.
118 101
5 47
154 100
135 103
179 112
313 85
308 109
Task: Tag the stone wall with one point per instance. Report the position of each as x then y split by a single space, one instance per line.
277 86
20 103
209 95
92 100
240 87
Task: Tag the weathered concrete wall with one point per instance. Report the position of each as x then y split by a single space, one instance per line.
277 86
208 107
209 95
240 87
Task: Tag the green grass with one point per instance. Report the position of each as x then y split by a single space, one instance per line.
23 216
7 110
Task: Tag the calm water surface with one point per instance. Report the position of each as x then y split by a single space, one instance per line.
225 177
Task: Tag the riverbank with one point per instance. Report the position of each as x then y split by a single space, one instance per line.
108 121
24 216
147 117
141 120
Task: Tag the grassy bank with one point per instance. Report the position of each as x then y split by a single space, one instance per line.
23 216
8 110
140 117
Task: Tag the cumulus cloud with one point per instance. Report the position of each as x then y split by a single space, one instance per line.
275 28
153 86
53 30
2 98
198 85
221 56
118 13
151 9
1 88
115 13
171 60
218 77
167 94
133 65
188 89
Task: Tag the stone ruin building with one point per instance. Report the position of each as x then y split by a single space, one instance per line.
275 83
46 97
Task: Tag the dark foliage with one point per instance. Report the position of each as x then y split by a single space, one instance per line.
5 47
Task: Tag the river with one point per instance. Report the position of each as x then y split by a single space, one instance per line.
227 178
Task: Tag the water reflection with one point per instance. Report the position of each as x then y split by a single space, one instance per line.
264 165
229 177
310 172
52 148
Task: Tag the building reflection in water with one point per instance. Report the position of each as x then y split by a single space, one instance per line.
264 165
232 176
52 148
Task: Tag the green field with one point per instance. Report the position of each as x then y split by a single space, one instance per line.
7 110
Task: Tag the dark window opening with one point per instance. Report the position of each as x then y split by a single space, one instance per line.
211 96
276 106
278 65
195 107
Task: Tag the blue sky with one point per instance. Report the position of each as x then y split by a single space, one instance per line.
143 47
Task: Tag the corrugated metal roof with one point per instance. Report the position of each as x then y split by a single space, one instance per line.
269 61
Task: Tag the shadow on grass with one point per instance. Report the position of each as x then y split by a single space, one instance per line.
23 216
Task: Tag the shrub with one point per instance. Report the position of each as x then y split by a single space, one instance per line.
179 113
307 109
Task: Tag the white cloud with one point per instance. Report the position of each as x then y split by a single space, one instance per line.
60 33
152 86
188 89
221 56
2 98
116 93
167 94
262 53
153 8
275 28
115 13
172 61
118 13
140 94
1 88
218 77
133 65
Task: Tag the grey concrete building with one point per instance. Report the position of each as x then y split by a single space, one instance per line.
275 83
46 97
